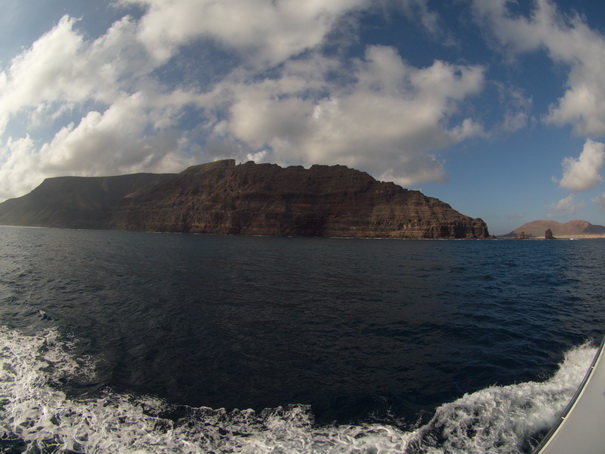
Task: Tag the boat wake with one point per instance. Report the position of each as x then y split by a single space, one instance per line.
36 414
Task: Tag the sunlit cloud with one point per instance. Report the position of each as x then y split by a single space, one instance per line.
164 85
116 119
107 110
567 206
568 41
584 172
263 32
389 120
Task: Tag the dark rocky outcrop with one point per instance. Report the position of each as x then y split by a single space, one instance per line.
548 235
266 199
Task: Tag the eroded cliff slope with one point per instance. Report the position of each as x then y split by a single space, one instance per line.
250 199
266 199
76 202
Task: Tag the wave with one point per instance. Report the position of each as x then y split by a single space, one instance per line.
37 415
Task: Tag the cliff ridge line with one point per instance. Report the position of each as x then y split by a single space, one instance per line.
223 197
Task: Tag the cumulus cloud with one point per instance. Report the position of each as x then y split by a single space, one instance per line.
567 206
103 89
20 167
516 107
584 172
101 100
264 31
104 105
61 70
420 12
389 120
112 142
569 41
39 76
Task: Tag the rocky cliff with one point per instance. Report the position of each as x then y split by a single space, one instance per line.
266 199
76 202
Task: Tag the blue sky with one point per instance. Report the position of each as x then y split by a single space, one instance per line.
496 107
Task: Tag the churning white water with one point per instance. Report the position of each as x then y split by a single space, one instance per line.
36 415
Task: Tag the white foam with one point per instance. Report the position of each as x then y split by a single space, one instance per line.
498 419
502 419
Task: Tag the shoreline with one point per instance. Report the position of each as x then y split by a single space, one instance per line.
586 236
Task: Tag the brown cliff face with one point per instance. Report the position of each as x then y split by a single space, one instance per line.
265 199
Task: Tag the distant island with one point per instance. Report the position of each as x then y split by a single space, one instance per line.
223 197
571 229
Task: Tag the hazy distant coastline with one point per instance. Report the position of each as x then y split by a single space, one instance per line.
573 229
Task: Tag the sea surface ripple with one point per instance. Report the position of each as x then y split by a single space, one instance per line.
139 342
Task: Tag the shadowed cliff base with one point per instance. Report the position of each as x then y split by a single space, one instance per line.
248 199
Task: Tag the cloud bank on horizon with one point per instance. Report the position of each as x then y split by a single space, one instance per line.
384 86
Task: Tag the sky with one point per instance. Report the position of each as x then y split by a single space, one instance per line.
496 107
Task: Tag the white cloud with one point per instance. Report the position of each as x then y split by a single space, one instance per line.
108 143
101 106
389 121
516 107
419 11
39 75
584 172
20 169
62 70
102 100
119 118
567 206
568 41
262 30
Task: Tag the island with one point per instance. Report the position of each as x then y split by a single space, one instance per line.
223 197
549 229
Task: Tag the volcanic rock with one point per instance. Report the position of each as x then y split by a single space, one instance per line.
266 199
76 202
254 199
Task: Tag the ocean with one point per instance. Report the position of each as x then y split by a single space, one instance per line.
127 342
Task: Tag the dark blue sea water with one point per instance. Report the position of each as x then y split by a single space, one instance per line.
152 343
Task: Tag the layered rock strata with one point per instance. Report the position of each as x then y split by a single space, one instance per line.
266 199
248 199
